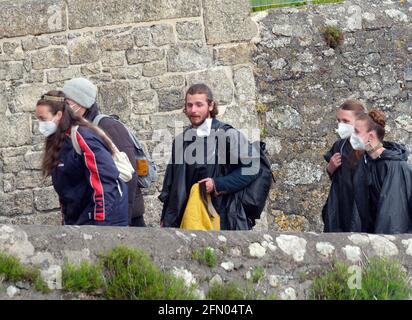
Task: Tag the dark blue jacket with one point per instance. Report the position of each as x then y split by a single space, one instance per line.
120 137
88 186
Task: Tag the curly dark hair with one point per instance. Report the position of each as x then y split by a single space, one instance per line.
375 121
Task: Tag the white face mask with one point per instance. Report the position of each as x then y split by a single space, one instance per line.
47 128
345 130
357 142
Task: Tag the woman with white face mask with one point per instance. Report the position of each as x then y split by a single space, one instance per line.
345 204
88 185
389 176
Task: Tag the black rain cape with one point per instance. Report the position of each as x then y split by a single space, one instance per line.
347 204
390 186
180 177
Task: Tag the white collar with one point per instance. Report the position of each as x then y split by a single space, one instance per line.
204 129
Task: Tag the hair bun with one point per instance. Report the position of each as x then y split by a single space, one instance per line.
378 117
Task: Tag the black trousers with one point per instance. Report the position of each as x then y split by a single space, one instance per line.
138 222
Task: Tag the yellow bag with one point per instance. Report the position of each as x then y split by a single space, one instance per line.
200 213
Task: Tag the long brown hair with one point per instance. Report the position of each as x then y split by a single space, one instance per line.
54 142
201 88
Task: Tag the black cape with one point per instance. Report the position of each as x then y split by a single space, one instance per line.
390 186
180 177
347 206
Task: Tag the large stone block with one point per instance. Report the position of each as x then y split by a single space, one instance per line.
219 80
139 84
12 49
26 96
188 57
83 50
34 43
46 199
13 152
135 56
94 13
162 34
29 179
170 99
228 21
142 36
144 102
16 203
113 99
31 17
167 81
58 40
189 30
50 58
33 160
3 103
13 164
156 68
244 84
173 122
91 69
116 42
15 130
9 182
242 117
233 54
11 71
113 59
123 73
33 76
62 74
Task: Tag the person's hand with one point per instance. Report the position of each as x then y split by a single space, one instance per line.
210 184
334 163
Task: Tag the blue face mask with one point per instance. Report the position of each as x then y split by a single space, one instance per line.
47 128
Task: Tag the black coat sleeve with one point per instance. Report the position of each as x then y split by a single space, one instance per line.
394 207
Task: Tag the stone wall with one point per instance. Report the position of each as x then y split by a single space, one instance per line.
290 261
301 80
142 55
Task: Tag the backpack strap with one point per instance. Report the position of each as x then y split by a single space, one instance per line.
75 143
99 117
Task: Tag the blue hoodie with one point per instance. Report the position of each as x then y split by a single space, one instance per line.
88 185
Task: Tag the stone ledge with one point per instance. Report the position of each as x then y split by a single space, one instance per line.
31 17
94 13
284 256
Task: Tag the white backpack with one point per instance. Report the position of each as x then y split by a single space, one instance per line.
120 159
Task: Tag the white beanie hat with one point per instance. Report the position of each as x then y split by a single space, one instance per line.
82 91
